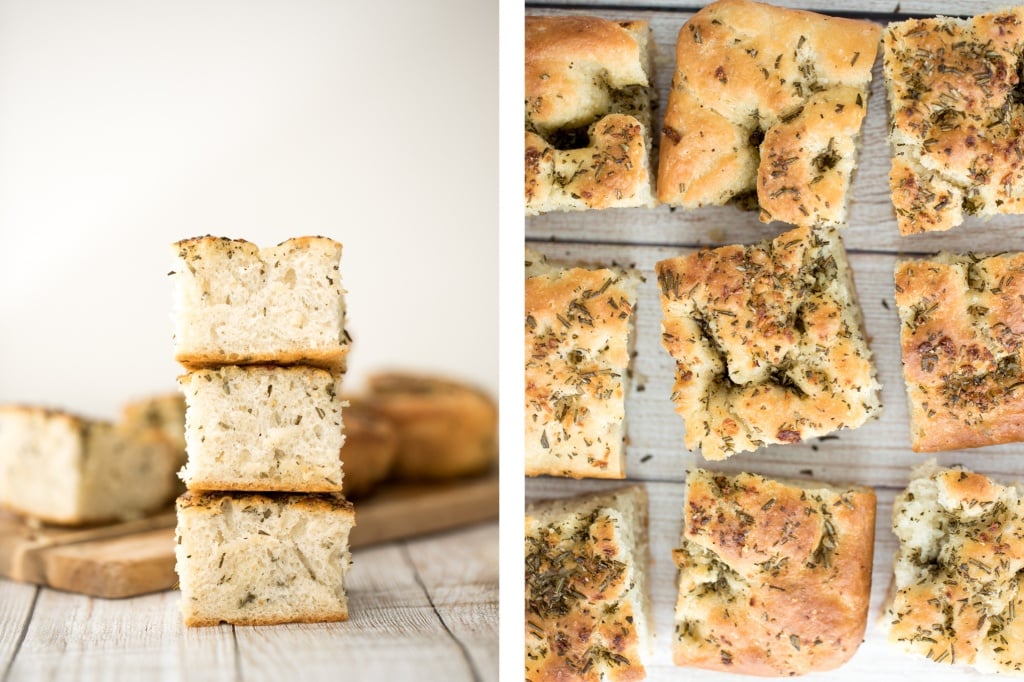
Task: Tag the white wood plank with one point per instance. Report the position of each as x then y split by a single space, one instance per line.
875 660
393 633
460 573
73 636
16 603
883 7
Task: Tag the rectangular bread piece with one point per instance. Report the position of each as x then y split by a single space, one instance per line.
238 304
588 113
586 587
960 331
64 469
579 341
767 101
768 343
774 576
957 118
956 595
262 558
263 428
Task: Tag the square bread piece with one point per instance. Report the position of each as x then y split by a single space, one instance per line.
769 101
961 332
579 342
774 576
588 113
586 587
69 470
957 132
258 559
237 304
768 343
956 589
263 428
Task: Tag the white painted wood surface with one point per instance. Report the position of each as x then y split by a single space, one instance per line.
877 454
419 609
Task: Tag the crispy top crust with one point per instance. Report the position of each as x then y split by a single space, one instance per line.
962 328
212 501
747 71
582 601
957 119
767 341
956 590
774 578
577 352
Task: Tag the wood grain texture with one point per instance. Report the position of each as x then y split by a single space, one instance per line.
17 602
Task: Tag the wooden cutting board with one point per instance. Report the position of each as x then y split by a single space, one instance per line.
136 557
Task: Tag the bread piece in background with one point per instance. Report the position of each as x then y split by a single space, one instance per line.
163 413
955 596
446 429
579 336
774 576
238 304
588 113
65 469
263 427
586 587
371 445
262 558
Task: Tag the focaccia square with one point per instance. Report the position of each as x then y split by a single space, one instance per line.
586 591
957 132
774 577
588 113
962 326
579 340
766 101
768 343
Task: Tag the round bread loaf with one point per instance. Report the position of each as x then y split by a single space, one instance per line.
371 443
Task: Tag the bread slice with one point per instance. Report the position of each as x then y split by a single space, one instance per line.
64 469
257 559
960 327
263 428
774 576
588 113
586 587
768 343
956 588
238 304
445 428
371 445
163 413
579 341
957 118
766 101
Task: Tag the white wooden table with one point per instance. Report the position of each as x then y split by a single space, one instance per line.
421 609
877 454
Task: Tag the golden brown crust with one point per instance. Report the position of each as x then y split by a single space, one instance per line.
957 119
585 610
767 341
333 360
211 501
587 73
774 578
578 327
747 71
371 444
962 328
198 621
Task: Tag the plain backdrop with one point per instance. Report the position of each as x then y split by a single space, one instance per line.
126 125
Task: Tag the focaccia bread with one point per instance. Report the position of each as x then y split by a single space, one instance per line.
446 428
774 577
588 113
263 428
769 101
586 587
163 413
262 558
956 589
768 343
579 341
237 304
957 118
371 445
961 328
64 469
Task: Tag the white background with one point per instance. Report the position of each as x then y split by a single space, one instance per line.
125 126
